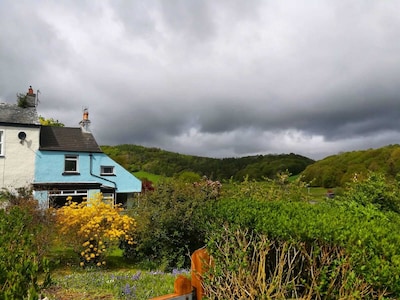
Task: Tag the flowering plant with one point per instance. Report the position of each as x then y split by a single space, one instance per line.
91 227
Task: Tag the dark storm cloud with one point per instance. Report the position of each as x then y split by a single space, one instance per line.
212 78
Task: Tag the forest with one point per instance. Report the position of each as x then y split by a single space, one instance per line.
338 170
170 164
332 171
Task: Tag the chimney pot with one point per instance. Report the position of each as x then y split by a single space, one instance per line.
85 120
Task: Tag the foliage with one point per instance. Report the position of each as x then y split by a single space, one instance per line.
281 187
169 222
22 100
171 164
375 189
357 239
338 170
147 185
92 227
188 177
50 122
249 265
20 261
42 222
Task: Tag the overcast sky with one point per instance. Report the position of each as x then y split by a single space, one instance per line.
224 78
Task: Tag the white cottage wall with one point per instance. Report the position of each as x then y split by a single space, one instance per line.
17 162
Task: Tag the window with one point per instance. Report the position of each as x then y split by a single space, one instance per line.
108 198
58 199
1 143
107 170
71 164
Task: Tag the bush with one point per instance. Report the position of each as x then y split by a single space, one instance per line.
279 188
92 227
375 190
359 241
249 265
21 260
169 221
42 221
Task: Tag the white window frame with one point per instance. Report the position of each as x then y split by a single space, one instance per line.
103 169
69 193
109 198
63 194
1 142
71 158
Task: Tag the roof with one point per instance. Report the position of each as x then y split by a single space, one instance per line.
12 114
67 139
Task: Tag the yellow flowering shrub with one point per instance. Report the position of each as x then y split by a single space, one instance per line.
91 227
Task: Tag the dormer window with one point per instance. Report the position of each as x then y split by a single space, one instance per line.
71 164
107 170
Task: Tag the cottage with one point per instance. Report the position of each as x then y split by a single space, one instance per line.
57 162
69 163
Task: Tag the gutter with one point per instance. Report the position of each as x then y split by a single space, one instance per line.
94 175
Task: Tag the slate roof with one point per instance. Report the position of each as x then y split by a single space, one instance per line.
67 139
11 114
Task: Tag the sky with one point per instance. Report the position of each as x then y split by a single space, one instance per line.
226 78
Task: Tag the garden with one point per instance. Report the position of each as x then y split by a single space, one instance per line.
268 240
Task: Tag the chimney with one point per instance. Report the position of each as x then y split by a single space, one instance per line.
30 98
85 123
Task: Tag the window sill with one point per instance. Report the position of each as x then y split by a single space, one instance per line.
108 175
70 173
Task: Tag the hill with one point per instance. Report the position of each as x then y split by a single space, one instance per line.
139 158
338 169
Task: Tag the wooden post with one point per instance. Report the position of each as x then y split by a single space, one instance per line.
200 262
182 290
182 285
185 288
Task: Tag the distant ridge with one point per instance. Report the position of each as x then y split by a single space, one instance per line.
337 170
139 158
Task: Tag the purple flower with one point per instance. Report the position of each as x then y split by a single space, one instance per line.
127 289
136 276
179 271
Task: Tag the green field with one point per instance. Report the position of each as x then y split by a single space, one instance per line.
149 176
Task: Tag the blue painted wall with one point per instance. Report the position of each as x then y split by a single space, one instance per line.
49 168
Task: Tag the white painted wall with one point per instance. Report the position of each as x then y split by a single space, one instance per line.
17 165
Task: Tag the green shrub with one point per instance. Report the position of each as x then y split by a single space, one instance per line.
281 187
375 189
362 241
168 221
20 261
249 265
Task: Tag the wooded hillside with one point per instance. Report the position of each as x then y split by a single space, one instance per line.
337 170
157 161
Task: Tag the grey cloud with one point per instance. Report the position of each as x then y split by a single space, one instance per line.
211 78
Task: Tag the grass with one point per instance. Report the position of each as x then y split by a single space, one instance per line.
111 284
319 193
119 280
149 176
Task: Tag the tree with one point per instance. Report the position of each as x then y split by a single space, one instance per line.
50 122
